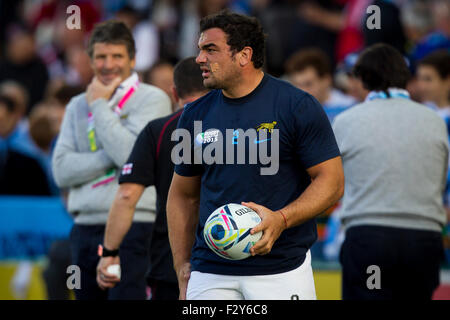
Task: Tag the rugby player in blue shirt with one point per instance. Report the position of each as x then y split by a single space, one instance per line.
305 177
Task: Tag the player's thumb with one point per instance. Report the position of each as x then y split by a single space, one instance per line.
252 206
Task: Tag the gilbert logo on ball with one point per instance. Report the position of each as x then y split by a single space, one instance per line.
227 231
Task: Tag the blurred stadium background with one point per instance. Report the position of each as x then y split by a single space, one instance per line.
43 64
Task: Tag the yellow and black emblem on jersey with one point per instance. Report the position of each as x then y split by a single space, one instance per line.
268 126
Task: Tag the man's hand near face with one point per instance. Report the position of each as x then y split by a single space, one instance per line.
97 90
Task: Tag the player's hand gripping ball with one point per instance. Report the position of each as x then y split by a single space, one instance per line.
227 231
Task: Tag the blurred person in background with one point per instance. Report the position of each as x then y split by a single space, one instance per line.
390 29
145 35
51 11
310 70
392 209
20 139
427 26
59 255
177 20
417 20
161 75
347 82
79 70
294 25
165 15
177 23
152 165
433 78
34 135
97 135
192 12
10 13
54 40
44 123
18 93
356 88
22 65
347 23
56 100
441 16
19 173
54 274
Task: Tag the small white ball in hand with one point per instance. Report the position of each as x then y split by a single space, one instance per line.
114 269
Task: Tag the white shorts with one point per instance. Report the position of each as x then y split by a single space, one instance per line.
297 284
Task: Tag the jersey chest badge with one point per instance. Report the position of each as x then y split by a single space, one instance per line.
267 126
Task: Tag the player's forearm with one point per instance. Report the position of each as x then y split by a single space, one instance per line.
121 214
182 218
323 192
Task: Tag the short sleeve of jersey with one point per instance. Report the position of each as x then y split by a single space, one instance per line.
187 169
315 140
139 167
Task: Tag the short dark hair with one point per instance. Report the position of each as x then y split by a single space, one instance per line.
40 128
67 92
114 32
241 31
163 63
310 57
380 67
8 103
440 61
187 77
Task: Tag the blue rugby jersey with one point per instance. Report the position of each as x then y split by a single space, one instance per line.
305 139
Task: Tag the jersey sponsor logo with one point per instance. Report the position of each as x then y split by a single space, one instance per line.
266 127
260 141
127 168
255 141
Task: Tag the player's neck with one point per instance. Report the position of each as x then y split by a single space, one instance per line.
248 82
184 101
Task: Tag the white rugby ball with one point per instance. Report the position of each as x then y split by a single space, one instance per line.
227 231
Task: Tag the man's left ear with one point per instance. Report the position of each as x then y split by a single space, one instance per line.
245 56
133 63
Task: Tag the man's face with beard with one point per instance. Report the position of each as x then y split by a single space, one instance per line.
216 60
110 61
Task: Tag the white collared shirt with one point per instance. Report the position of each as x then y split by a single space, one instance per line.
123 87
